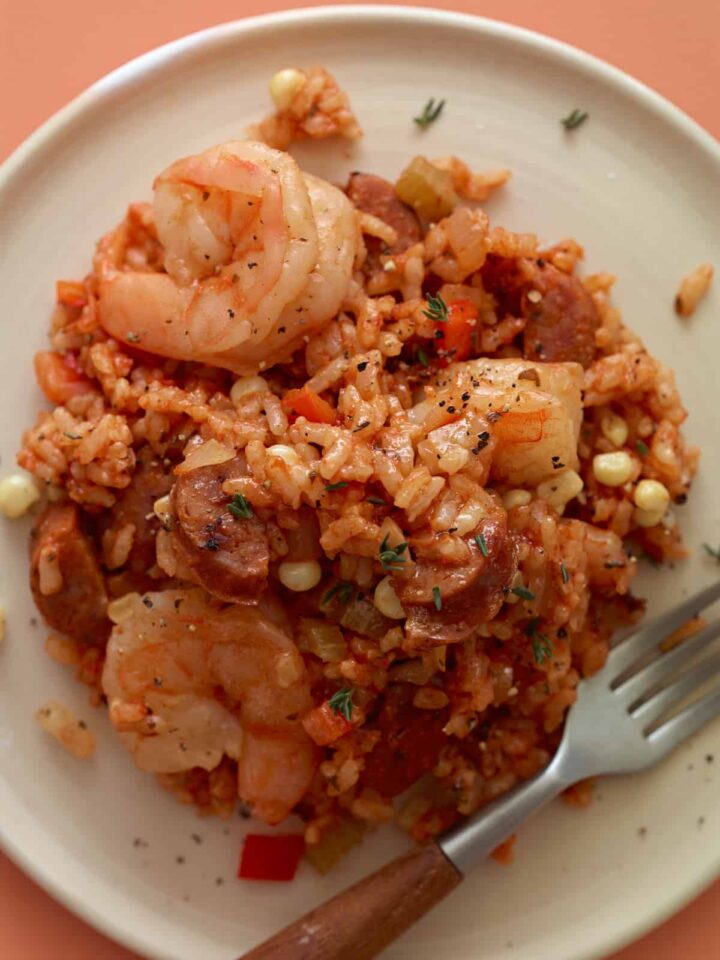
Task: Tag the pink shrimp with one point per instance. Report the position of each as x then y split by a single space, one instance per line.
239 228
188 683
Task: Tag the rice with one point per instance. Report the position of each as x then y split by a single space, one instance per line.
692 289
62 724
371 462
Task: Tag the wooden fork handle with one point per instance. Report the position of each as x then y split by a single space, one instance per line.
361 921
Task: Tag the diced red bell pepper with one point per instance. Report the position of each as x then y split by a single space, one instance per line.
324 726
457 331
270 856
306 403
71 293
60 377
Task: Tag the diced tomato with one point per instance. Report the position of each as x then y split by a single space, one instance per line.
306 403
59 376
324 726
71 293
409 746
270 856
457 331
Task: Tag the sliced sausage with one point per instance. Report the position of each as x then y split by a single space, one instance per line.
470 593
79 607
229 556
135 505
410 742
561 316
374 195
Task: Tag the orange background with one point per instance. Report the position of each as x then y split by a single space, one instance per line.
50 51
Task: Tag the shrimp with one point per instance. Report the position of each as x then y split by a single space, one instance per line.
256 256
187 683
532 412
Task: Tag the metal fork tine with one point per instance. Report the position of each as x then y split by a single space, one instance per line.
652 709
630 650
662 668
684 724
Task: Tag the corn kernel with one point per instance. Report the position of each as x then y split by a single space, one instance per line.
17 494
613 469
647 518
614 429
652 496
560 489
387 601
284 85
300 576
246 385
516 498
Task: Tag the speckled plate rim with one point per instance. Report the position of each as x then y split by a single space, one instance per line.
137 72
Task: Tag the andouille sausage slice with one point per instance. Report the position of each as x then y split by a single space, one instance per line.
79 607
377 196
228 556
134 505
468 593
561 316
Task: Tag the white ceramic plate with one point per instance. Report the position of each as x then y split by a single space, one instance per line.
638 184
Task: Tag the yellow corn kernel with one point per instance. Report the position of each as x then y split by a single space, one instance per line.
651 496
647 518
17 494
300 576
285 85
387 601
613 469
614 429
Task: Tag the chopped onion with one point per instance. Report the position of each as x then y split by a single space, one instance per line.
205 455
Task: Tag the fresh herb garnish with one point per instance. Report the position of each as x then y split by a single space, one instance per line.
642 448
482 543
523 593
564 573
336 486
341 702
542 647
392 558
132 337
341 592
573 120
437 599
422 358
377 501
240 508
437 309
72 436
712 552
431 111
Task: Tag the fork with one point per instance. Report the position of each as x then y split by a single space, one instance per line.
625 720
